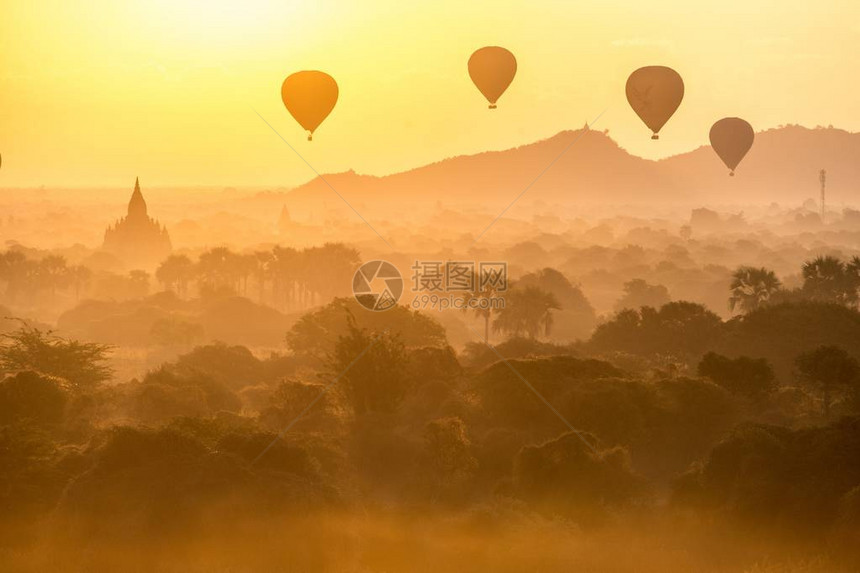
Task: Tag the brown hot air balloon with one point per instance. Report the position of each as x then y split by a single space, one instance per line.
654 93
492 69
309 97
732 138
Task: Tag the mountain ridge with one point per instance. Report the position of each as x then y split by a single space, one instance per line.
586 166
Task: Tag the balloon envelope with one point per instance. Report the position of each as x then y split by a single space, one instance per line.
732 138
309 97
654 93
492 69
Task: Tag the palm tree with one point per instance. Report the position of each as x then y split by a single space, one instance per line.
262 268
478 293
828 279
284 271
80 276
216 268
752 288
527 312
53 273
828 370
175 272
16 270
244 266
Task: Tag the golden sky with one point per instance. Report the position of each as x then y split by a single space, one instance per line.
97 92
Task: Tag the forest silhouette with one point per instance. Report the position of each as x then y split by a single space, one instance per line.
742 421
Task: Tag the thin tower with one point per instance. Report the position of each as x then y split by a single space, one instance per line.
822 178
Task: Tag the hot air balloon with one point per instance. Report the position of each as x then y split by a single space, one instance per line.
731 138
309 97
654 93
492 69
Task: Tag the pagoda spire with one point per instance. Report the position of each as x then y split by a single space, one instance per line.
137 205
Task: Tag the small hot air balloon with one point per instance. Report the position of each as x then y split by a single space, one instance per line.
732 138
654 93
309 97
492 69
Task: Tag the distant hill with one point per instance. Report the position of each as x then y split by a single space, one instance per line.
782 166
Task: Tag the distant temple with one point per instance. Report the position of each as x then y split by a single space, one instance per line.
137 239
285 222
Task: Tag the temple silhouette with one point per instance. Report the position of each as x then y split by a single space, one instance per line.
137 239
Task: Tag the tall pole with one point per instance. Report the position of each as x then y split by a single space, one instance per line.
822 177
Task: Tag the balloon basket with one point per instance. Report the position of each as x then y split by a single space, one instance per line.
731 173
655 136
492 106
310 137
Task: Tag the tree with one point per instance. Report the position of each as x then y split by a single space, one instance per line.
285 271
138 283
175 272
566 475
235 366
17 271
750 377
487 291
80 276
170 392
780 332
479 355
316 333
638 293
575 318
829 370
53 273
262 269
449 453
329 269
852 271
679 328
244 266
828 279
217 269
752 288
527 312
372 367
287 405
778 476
29 396
81 364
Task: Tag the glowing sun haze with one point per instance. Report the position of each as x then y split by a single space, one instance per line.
94 93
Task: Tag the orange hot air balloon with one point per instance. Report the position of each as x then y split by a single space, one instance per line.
654 93
492 69
309 97
732 138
